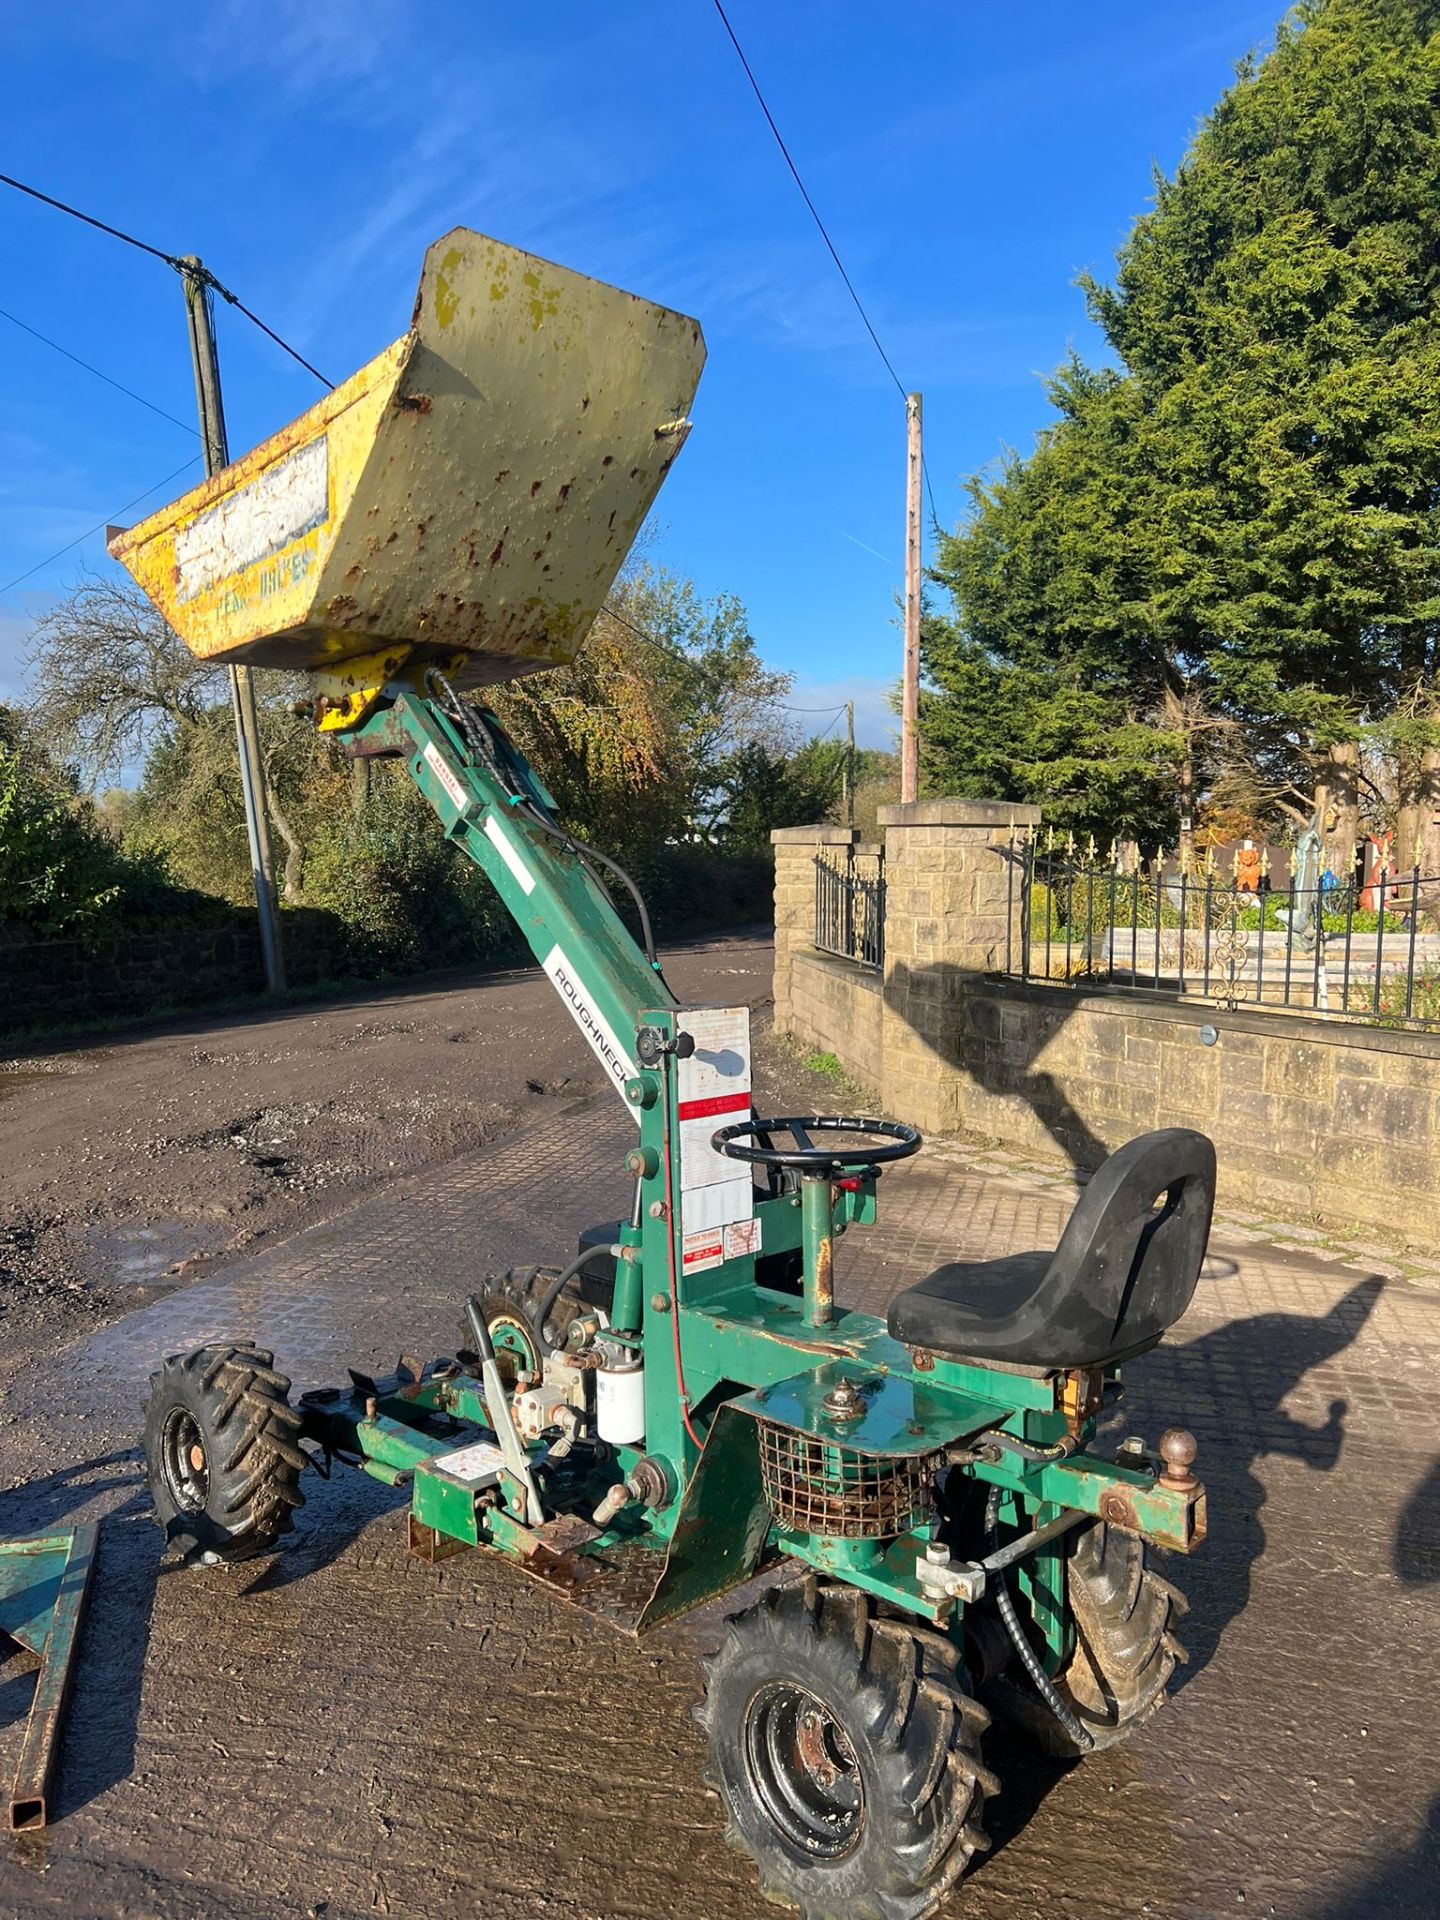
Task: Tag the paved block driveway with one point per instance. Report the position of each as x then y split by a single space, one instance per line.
345 1732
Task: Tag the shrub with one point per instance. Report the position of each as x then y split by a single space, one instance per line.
409 899
60 872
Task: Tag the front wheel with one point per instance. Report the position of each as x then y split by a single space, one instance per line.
1125 1649
222 1452
846 1755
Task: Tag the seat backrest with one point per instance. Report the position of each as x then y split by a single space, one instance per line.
1134 1245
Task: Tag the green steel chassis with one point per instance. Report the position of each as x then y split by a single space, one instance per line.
943 1512
746 1354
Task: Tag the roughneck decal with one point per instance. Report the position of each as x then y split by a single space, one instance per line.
592 1023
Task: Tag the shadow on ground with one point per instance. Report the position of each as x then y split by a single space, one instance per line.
1417 1536
1400 1883
1250 1367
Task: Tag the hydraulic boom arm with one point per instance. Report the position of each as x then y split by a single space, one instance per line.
491 804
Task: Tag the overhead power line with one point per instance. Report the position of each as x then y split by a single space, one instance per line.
805 196
118 385
99 526
269 332
75 214
173 260
824 231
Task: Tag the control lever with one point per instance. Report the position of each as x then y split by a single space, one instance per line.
497 1405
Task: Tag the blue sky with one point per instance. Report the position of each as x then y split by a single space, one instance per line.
969 159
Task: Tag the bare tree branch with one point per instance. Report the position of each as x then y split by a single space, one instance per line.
108 675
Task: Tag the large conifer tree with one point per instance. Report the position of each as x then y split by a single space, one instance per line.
1221 564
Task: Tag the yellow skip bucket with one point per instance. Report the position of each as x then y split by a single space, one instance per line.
473 490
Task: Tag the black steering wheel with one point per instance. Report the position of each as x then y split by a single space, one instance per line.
750 1140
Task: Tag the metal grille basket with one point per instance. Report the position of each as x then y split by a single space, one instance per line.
813 1486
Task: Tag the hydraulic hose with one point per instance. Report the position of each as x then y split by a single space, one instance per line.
1029 1659
1023 1449
586 852
557 1287
477 732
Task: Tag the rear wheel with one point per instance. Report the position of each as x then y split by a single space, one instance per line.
1125 1648
846 1754
222 1452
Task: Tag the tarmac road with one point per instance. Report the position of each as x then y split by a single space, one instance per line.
342 1731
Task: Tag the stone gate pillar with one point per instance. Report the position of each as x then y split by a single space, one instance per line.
795 852
951 904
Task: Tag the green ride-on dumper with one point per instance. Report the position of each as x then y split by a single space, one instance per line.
682 1405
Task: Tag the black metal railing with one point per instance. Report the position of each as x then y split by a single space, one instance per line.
1371 952
850 907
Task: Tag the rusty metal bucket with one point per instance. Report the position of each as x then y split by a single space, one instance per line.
472 491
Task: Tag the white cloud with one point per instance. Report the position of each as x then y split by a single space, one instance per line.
477 163
303 47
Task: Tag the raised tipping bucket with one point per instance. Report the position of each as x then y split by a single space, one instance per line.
474 489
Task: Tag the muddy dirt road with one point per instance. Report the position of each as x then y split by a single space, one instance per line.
341 1731
130 1165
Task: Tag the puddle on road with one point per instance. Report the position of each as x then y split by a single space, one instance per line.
20 1073
141 1253
314 1335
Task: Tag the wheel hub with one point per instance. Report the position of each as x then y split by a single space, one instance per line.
804 1770
183 1461
814 1752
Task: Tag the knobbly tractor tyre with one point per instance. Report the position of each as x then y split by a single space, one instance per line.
845 1754
1124 1654
510 1305
222 1452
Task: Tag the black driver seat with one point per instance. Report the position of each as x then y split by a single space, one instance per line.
1124 1271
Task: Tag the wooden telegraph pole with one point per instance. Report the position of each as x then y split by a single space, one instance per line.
910 698
849 763
206 362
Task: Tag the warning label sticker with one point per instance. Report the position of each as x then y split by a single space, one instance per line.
714 1089
741 1237
478 1465
435 760
701 1250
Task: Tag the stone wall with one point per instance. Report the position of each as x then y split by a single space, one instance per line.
1328 1119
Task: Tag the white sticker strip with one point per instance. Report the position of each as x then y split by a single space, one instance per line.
279 506
718 1205
592 1023
435 760
505 847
